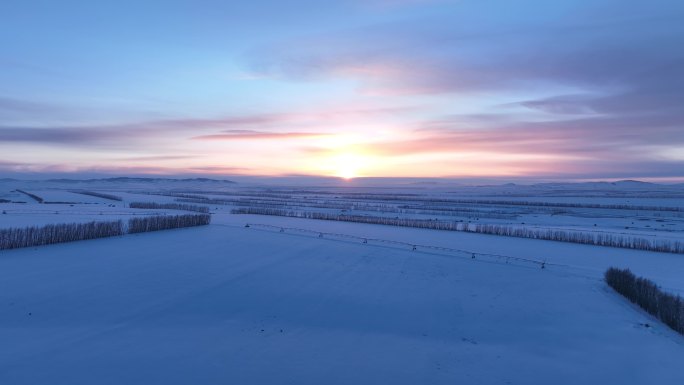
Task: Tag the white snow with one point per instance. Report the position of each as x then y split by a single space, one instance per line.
234 305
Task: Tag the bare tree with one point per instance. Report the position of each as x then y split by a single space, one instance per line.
98 195
35 236
32 196
645 293
589 238
168 206
165 222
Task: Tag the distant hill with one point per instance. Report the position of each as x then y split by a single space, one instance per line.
141 180
621 184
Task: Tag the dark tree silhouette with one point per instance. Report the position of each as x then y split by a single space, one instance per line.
98 195
32 196
588 238
168 206
645 293
35 236
165 222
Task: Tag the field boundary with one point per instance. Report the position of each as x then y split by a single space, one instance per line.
666 307
410 246
548 234
20 237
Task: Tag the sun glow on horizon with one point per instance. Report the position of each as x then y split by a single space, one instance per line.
348 165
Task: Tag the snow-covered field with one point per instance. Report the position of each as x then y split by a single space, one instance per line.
227 303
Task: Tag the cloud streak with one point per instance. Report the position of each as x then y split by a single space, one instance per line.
413 86
258 135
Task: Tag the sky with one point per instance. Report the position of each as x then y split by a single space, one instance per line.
528 89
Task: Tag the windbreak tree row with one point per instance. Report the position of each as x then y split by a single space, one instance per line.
168 206
243 193
398 198
353 206
588 238
204 201
165 222
99 195
32 196
404 222
645 293
181 195
14 238
67 232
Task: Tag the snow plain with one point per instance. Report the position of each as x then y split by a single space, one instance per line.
227 303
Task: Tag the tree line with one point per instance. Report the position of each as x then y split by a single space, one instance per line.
168 206
205 201
588 238
165 222
110 197
32 196
419 199
13 238
357 206
645 293
415 198
568 205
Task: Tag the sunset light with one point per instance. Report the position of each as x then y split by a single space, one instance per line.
348 166
362 192
393 89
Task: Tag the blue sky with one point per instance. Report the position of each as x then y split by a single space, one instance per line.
503 89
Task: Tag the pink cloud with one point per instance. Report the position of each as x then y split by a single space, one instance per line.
257 135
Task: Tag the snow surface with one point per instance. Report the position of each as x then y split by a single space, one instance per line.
234 305
225 304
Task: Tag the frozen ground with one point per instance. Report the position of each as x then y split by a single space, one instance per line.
236 305
230 304
63 206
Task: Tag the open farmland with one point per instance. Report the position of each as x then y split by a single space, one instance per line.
255 298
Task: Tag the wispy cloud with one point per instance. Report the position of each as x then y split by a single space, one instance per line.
425 56
39 168
156 158
258 135
237 127
417 86
11 105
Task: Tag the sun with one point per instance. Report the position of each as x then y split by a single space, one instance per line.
347 165
347 173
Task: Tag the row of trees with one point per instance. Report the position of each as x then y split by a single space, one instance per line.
587 238
465 214
353 198
181 195
168 206
570 205
99 195
35 236
598 239
194 193
398 197
165 222
453 208
32 196
13 238
245 193
204 201
382 208
645 293
404 222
